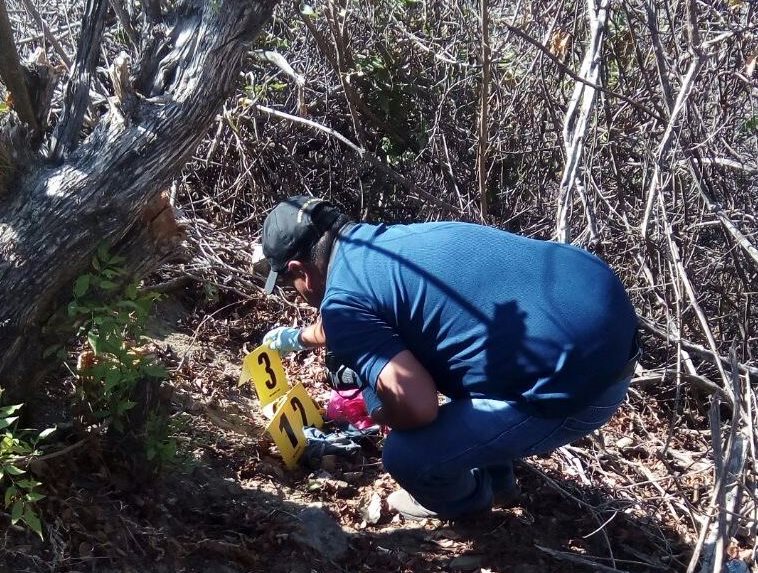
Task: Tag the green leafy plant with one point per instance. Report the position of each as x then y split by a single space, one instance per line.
751 125
21 490
111 314
160 445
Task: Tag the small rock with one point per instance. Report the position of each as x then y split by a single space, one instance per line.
466 563
319 531
449 534
272 469
343 489
85 550
329 462
624 442
39 467
372 513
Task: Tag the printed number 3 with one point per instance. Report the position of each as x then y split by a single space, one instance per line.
265 361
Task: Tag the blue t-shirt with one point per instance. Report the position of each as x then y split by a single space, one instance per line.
488 313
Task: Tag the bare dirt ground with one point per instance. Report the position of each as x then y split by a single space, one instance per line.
607 503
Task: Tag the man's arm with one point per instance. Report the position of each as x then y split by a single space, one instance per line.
313 336
407 392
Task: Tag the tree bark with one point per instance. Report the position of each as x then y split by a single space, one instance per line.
56 214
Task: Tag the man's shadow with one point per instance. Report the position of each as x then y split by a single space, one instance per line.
557 525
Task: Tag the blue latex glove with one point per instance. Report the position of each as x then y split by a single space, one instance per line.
284 339
372 401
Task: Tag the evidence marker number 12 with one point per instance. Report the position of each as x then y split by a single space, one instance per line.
288 409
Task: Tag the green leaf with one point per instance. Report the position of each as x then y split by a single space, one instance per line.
14 471
4 107
81 285
108 285
28 483
154 370
50 350
129 304
131 291
5 422
102 252
45 433
32 520
73 308
94 341
124 406
34 496
17 511
8 410
10 493
95 263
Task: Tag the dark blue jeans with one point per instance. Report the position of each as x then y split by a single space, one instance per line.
453 465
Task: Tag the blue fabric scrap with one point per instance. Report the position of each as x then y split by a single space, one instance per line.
343 441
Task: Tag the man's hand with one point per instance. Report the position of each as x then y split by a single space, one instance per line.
284 339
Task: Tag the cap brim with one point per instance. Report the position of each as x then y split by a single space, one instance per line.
271 281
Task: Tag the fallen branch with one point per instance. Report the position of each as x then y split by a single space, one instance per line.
47 34
697 349
365 155
574 558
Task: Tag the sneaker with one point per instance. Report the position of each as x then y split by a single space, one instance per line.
507 497
405 504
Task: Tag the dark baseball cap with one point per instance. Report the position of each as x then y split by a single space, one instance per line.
291 229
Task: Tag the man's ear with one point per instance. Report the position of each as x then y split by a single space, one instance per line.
296 269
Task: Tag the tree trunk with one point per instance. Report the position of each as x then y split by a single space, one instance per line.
55 213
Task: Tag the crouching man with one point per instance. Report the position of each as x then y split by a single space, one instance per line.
532 342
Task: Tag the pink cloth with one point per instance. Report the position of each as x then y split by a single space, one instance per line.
352 410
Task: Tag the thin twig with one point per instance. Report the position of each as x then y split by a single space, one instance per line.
363 154
574 558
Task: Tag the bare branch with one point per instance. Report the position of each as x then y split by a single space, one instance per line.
663 147
365 155
696 349
66 135
741 165
577 118
123 18
153 11
484 97
11 72
49 36
565 69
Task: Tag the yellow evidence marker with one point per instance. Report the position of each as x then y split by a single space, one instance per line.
289 411
286 428
264 367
